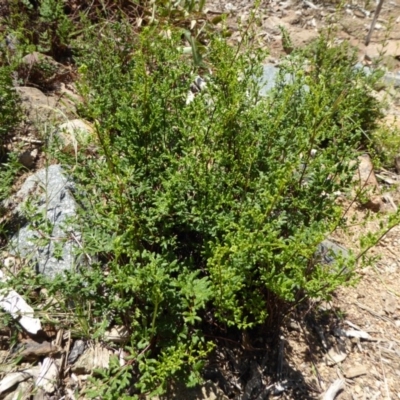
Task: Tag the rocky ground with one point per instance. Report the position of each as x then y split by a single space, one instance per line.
354 340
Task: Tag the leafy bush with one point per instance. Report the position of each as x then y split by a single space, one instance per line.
52 26
10 112
10 117
212 210
8 172
385 144
43 26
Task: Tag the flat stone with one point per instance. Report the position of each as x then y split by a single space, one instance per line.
47 379
13 379
366 172
74 133
117 334
367 70
354 372
376 50
335 356
268 79
40 108
392 79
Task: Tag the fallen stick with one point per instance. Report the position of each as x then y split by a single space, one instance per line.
376 15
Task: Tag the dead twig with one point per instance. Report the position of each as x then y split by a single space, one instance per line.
376 15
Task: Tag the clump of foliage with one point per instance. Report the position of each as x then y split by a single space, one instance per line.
10 112
386 142
52 26
211 210
10 118
9 169
43 26
340 60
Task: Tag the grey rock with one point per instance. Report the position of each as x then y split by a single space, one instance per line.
392 79
46 238
255 384
77 350
268 80
328 251
364 68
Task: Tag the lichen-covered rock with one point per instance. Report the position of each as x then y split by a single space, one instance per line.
327 251
46 202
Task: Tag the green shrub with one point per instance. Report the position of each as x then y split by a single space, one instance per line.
8 172
44 26
385 144
215 207
52 26
10 118
10 111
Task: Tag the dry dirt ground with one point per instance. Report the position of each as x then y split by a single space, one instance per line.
370 367
304 19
